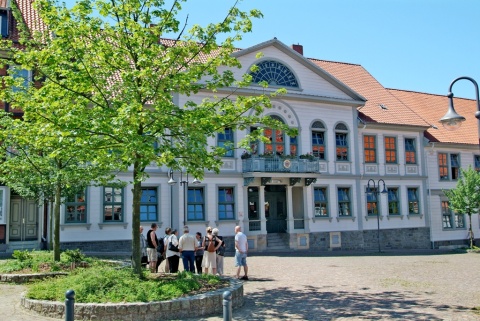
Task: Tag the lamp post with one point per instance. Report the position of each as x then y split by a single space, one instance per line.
452 120
375 193
184 183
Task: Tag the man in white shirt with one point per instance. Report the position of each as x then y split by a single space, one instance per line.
241 249
186 245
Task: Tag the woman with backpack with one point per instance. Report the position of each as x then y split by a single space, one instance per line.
210 245
220 251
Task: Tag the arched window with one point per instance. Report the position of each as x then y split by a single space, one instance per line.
276 146
318 140
341 141
275 74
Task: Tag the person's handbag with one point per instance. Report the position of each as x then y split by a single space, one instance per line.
173 248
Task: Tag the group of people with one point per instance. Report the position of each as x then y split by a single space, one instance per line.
197 252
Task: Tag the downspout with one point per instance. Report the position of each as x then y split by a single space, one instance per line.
429 193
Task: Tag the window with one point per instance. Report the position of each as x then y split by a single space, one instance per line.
148 205
320 201
476 161
410 151
390 150
76 208
275 74
226 203
4 23
344 201
341 136
112 204
413 206
195 204
393 203
276 146
451 220
20 74
318 140
370 149
372 201
225 140
448 166
293 146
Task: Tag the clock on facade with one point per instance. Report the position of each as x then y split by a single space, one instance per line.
275 74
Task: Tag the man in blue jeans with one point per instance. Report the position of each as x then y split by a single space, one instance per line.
186 245
241 249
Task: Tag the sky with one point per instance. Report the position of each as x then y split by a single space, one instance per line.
418 45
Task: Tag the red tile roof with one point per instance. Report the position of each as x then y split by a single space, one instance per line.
3 3
433 107
381 107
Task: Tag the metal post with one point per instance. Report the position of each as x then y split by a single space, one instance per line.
227 306
70 305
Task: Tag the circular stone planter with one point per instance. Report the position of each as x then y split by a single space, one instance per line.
24 278
185 307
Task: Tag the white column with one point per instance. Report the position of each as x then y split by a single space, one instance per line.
290 221
261 208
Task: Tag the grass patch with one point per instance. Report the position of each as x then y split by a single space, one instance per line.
42 261
100 284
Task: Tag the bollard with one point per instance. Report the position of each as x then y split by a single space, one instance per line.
227 306
69 305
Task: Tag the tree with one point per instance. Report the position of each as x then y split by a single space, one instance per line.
115 76
465 197
48 167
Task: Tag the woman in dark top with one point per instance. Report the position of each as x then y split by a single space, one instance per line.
198 252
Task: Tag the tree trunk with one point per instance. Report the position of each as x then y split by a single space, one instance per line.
470 231
56 222
50 222
137 195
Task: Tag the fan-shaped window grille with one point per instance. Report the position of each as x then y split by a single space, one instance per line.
275 74
318 125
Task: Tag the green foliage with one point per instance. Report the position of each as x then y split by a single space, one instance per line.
465 197
116 94
38 260
22 256
74 255
108 284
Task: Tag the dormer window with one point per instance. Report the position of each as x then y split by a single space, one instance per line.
275 74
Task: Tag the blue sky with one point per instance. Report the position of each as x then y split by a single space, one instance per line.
419 45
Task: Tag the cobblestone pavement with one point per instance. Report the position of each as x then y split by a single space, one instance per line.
427 285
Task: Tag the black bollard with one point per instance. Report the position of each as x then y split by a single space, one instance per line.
227 306
70 305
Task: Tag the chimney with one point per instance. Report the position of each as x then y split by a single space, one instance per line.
298 48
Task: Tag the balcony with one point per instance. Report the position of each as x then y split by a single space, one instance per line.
277 164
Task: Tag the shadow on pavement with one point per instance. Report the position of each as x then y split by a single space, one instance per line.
311 304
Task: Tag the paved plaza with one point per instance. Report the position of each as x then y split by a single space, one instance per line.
426 285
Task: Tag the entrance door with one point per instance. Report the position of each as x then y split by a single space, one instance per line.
23 220
276 208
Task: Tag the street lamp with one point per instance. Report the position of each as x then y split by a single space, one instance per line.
452 120
374 192
184 183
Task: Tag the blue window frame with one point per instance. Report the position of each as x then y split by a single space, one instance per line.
225 140
226 203
76 208
113 204
393 203
344 202
149 205
413 203
195 204
320 201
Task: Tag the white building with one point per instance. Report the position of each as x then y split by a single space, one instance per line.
354 134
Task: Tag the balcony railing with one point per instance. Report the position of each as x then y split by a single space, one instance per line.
279 164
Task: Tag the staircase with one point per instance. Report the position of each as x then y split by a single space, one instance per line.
25 245
278 241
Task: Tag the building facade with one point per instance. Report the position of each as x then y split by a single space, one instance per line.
367 170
